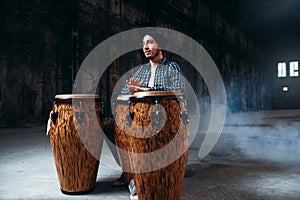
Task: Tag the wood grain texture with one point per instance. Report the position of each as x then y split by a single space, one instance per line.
76 145
166 182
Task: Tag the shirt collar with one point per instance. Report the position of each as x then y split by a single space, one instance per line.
163 60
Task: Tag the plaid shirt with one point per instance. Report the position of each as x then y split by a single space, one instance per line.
168 77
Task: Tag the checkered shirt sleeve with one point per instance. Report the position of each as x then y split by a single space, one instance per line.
168 77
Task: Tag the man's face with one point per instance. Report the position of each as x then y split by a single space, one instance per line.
150 47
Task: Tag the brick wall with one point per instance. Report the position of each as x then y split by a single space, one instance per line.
45 43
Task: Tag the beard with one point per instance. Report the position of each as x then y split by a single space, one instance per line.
153 56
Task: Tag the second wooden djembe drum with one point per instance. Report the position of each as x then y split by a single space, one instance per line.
152 136
76 141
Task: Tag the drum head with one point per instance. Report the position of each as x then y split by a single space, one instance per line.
148 94
76 96
156 94
124 97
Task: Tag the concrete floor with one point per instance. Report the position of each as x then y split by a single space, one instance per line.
256 157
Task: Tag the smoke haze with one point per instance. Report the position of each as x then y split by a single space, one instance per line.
269 135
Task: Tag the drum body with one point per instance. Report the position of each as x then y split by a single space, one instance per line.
76 141
153 140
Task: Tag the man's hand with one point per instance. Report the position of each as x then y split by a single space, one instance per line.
134 85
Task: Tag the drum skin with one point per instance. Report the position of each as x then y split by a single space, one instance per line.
76 142
167 181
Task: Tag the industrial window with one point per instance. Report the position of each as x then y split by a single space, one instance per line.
294 68
281 69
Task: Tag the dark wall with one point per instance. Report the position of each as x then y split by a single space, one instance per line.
45 43
283 52
34 58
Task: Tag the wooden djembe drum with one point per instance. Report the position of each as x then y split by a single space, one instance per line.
76 141
152 136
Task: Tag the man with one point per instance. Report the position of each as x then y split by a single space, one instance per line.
158 74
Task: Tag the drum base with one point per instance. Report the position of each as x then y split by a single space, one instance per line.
78 192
